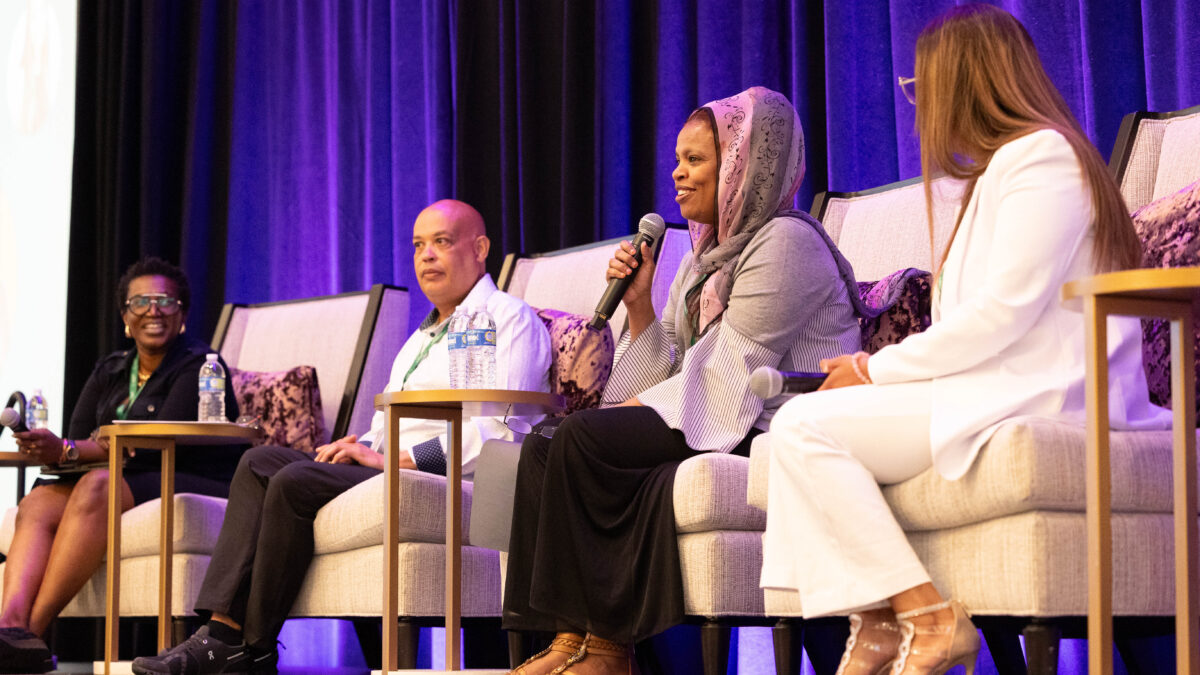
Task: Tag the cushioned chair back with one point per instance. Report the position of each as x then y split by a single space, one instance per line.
1156 154
349 338
676 244
572 279
859 222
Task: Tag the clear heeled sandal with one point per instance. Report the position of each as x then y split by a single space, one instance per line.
871 647
960 648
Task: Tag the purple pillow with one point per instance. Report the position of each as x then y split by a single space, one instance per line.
287 404
1170 232
901 303
581 361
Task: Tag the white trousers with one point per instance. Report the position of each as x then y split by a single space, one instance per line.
830 535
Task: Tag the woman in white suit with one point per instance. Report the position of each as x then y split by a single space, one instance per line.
1040 209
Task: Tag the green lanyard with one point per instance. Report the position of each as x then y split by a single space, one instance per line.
134 391
425 352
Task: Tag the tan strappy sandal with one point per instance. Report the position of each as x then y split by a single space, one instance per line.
564 646
600 657
960 649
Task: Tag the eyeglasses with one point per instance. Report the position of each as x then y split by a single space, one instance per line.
524 428
908 86
140 304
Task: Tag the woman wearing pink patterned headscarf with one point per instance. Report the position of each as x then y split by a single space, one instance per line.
593 554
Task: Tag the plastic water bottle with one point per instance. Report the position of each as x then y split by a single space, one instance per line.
37 415
481 350
212 391
456 344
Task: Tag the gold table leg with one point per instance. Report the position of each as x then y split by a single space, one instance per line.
112 580
1099 488
1187 553
166 546
1099 492
391 538
454 543
391 534
118 446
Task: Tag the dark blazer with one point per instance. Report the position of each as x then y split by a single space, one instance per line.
171 394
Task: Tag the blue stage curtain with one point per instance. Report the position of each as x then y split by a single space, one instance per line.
342 132
558 119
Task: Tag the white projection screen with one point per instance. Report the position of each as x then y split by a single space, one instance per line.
37 130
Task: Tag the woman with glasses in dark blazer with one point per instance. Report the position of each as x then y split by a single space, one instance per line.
60 535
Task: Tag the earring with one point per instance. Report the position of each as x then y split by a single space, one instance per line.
183 329
127 333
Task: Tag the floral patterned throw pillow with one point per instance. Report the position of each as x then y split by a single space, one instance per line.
287 404
582 358
902 303
1170 232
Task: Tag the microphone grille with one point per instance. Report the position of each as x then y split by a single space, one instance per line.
652 225
9 418
766 382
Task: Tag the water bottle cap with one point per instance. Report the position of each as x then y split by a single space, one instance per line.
210 357
37 392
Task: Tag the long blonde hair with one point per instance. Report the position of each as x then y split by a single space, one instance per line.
980 84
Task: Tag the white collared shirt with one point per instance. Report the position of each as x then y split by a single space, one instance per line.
522 363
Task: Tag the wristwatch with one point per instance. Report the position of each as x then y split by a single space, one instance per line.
70 453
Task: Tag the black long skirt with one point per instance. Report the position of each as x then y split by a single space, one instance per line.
593 544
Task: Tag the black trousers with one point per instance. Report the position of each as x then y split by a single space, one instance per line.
266 541
593 543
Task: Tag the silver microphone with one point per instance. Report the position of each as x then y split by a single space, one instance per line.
766 382
650 229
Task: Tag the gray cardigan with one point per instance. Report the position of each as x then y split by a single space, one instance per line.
788 309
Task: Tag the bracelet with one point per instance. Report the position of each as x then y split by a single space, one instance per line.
857 370
70 455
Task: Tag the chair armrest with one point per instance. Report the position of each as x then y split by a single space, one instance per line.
495 483
760 467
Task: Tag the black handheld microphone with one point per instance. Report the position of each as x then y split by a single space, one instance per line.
650 229
14 419
766 382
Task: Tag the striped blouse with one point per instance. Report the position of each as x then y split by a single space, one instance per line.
788 309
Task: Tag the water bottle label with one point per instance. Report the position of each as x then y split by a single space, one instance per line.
456 341
212 384
481 337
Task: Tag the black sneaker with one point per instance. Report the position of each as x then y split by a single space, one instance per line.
198 655
264 663
23 652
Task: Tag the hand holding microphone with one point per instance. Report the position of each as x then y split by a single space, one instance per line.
624 281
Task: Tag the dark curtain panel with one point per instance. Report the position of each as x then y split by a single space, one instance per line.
153 97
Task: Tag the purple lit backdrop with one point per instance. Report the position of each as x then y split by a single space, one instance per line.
281 149
349 117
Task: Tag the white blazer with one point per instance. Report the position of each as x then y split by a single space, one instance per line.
1001 344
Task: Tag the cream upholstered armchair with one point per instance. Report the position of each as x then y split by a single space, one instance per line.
349 339
718 531
1008 539
1156 154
